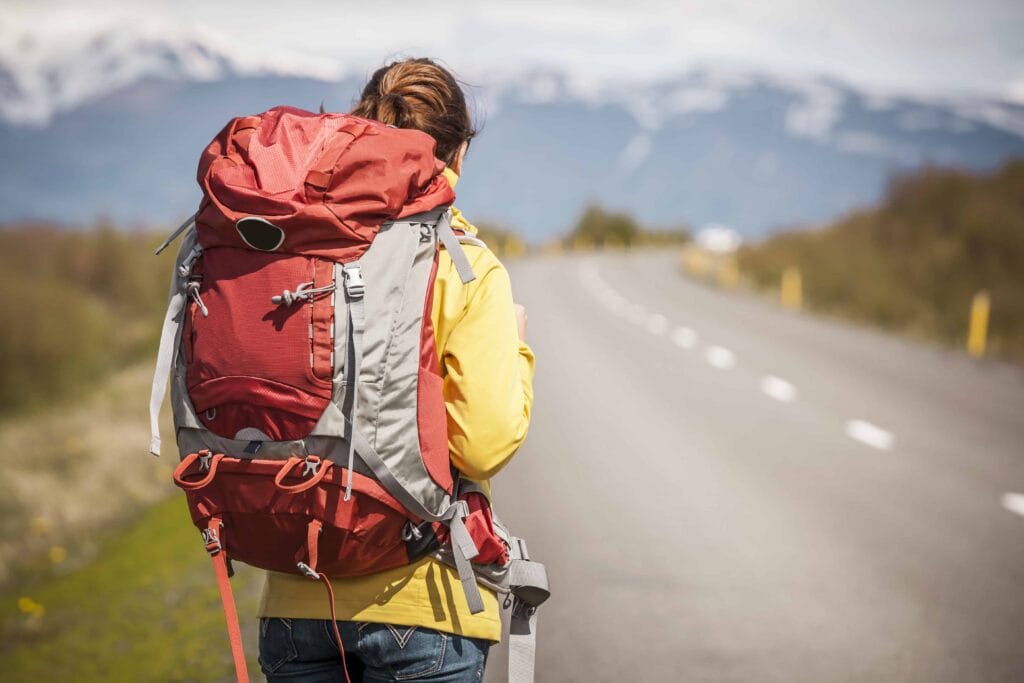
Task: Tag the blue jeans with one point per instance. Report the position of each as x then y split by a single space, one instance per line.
304 651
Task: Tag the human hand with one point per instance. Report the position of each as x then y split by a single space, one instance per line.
521 319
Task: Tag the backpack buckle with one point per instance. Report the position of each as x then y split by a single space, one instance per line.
354 285
522 609
211 540
312 465
204 461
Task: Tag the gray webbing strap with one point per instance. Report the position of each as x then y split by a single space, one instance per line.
522 643
464 550
174 235
356 326
170 336
164 362
528 583
451 243
463 547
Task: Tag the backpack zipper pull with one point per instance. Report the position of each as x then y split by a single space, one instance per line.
304 292
193 291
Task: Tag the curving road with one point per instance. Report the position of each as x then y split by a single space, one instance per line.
724 491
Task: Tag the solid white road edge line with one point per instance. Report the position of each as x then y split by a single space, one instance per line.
720 357
778 388
870 435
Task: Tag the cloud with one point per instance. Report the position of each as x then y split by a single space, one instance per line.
918 46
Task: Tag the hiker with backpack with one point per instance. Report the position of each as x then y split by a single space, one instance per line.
348 370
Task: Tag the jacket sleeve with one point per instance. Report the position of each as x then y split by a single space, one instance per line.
488 385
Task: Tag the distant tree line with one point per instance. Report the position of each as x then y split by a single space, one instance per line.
599 227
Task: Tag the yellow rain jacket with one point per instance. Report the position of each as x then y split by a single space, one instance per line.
488 390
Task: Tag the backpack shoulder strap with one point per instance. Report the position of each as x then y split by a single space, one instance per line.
452 244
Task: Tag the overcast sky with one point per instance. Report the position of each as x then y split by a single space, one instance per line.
915 46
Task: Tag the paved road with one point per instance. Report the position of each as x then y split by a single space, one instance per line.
724 491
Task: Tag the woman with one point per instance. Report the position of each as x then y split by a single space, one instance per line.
412 623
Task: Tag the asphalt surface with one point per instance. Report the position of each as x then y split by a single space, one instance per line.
760 495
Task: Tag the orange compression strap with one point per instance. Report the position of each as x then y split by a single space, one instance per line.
227 598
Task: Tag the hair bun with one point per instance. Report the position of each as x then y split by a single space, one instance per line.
418 93
394 109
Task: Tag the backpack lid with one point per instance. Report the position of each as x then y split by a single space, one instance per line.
327 181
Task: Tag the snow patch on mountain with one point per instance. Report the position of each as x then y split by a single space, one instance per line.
39 80
818 107
1006 116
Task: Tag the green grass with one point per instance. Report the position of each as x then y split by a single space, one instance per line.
147 609
77 306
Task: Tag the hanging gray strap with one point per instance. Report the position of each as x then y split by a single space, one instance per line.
522 642
170 336
465 550
189 222
528 582
354 289
451 243
164 363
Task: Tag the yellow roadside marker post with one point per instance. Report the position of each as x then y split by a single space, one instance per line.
696 262
728 272
581 243
977 332
791 294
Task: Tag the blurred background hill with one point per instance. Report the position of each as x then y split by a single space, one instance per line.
115 127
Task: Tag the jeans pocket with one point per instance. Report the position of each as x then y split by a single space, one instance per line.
277 646
406 652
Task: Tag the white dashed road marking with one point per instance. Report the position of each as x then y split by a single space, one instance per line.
684 337
635 314
614 302
724 359
657 324
1014 502
720 357
778 388
870 435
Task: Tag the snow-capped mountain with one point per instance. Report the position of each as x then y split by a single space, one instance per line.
113 126
39 80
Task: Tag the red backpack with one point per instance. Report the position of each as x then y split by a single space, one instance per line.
305 383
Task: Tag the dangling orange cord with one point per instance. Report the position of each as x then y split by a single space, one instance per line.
334 625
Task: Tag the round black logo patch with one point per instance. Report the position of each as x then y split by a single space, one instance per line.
260 233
